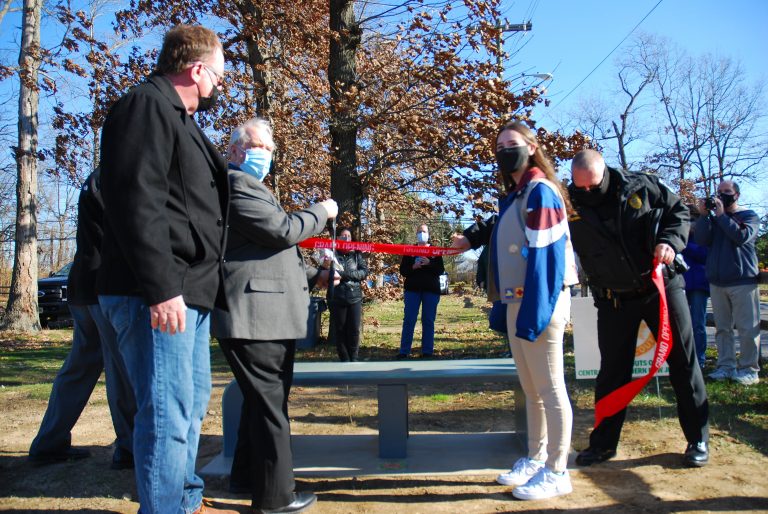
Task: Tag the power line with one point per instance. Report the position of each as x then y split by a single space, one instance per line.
609 54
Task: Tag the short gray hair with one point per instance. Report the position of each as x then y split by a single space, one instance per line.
240 135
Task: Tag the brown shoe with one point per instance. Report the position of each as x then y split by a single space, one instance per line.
213 507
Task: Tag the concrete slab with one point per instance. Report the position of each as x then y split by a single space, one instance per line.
428 454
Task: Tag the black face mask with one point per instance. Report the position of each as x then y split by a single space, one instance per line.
593 197
207 102
727 199
512 159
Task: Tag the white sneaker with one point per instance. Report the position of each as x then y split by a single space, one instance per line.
721 374
746 377
521 472
544 484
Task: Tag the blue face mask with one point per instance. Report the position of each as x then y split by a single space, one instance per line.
256 163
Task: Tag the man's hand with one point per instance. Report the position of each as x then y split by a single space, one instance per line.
719 209
460 241
664 253
330 207
169 316
322 279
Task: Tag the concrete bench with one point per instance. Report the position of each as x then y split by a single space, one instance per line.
392 379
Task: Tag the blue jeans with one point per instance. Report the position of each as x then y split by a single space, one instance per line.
171 379
122 404
428 303
697 303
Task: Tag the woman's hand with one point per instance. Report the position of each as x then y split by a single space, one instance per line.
460 241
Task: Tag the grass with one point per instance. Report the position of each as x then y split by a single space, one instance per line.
28 365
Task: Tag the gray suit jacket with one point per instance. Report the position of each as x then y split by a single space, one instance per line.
265 279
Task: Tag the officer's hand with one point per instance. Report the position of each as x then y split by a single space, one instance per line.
664 253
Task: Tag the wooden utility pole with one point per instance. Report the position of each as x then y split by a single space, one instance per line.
507 27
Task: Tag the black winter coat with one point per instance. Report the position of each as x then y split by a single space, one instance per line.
355 270
617 253
166 196
423 279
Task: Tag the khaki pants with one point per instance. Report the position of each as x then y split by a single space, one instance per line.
737 306
540 367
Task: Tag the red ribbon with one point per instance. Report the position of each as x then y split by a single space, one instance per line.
617 400
423 251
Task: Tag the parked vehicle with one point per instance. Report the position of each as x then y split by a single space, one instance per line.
52 299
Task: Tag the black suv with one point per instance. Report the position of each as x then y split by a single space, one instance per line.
52 299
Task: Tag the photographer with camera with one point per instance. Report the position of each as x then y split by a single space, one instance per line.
730 232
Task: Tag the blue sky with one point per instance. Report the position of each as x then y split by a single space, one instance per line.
569 38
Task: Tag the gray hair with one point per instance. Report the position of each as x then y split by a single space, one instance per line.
240 135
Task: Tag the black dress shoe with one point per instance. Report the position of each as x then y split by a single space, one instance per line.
594 456
696 455
122 459
302 502
45 458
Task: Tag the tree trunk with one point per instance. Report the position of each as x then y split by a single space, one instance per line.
342 78
258 57
21 313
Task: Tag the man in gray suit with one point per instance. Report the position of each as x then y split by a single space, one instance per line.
267 289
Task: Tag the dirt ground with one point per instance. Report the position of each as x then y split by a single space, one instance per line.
645 477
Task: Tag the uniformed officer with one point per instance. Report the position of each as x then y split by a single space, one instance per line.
621 222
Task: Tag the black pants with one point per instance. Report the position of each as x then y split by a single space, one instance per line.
263 458
617 326
345 319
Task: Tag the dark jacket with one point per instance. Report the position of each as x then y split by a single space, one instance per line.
732 258
616 251
165 194
348 291
81 284
696 277
266 281
423 279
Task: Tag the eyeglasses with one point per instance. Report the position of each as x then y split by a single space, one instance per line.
219 78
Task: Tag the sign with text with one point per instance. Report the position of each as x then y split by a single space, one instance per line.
586 351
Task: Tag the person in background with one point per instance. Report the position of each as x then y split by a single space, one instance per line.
530 270
266 285
697 289
422 290
346 305
94 349
730 232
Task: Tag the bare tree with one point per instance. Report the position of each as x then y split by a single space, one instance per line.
21 312
598 119
734 114
715 122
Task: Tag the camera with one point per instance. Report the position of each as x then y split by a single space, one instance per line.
709 203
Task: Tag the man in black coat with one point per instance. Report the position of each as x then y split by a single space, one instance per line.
165 194
94 349
622 222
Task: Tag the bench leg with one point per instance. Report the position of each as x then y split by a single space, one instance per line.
521 418
393 421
